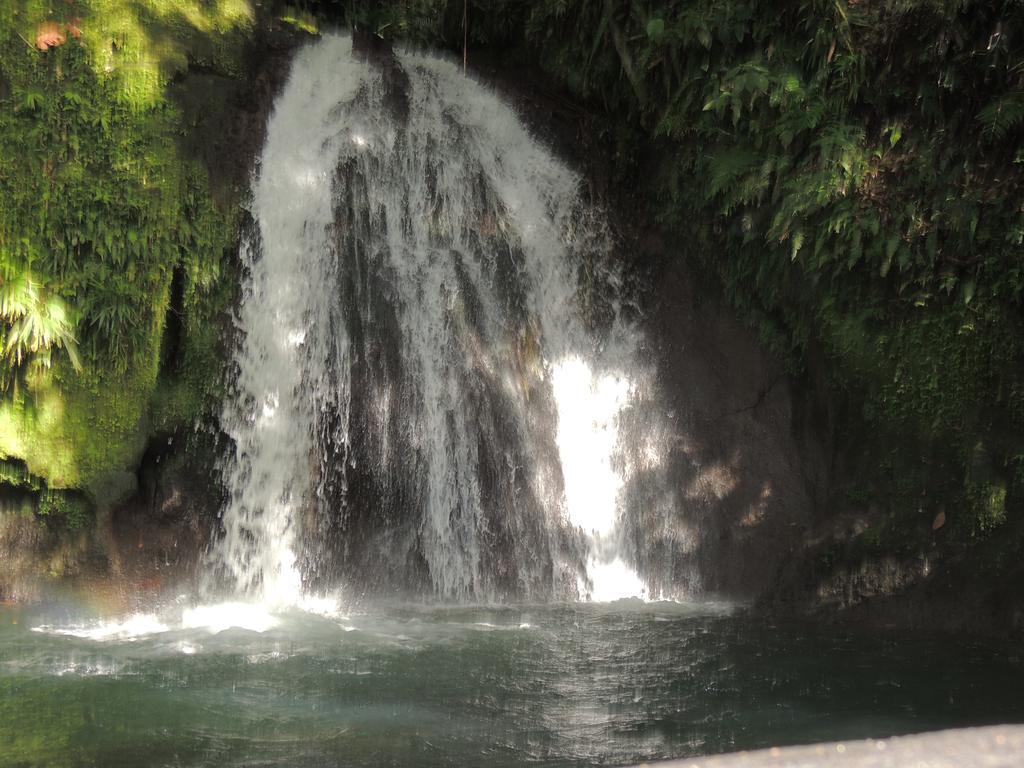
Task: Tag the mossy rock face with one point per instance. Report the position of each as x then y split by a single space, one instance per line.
111 218
72 508
14 475
45 534
151 542
79 430
39 550
125 151
26 494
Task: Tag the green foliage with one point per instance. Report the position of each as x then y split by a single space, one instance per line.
16 475
68 509
72 509
100 208
494 24
988 507
33 323
1002 116
858 172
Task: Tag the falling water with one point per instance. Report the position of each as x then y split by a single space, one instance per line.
432 370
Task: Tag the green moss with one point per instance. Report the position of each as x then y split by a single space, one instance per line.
70 508
138 45
193 385
299 19
27 494
990 507
75 430
15 474
101 209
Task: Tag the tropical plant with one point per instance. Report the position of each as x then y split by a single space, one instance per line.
34 323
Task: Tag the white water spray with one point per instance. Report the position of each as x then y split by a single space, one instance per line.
415 368
284 314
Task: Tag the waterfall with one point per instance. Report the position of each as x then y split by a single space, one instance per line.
433 370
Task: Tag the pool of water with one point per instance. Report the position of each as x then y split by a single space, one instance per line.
569 685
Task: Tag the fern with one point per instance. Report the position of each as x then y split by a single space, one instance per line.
1002 116
34 322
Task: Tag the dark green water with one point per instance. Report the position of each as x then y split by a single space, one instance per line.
406 686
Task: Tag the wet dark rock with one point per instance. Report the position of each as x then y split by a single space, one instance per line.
377 51
158 537
149 544
226 113
35 554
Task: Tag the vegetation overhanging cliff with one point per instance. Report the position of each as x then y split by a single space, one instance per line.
111 242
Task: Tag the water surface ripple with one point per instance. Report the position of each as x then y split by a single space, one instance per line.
570 685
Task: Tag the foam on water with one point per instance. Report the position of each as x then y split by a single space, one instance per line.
131 628
196 620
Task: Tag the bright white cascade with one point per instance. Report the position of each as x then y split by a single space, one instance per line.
481 330
589 405
288 294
